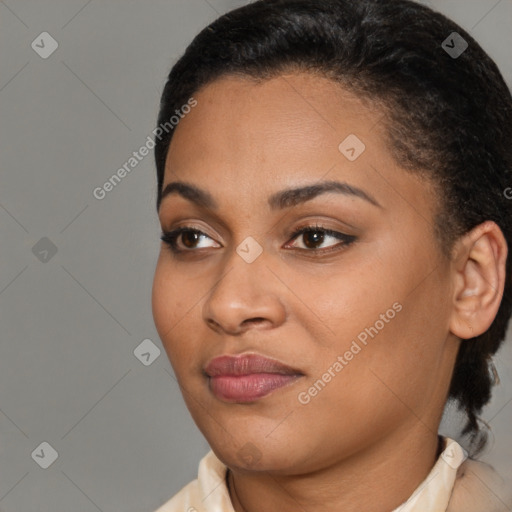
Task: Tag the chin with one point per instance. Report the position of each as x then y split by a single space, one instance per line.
257 454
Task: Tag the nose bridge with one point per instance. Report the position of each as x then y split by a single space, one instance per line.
245 291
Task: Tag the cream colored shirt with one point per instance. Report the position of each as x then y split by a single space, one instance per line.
455 484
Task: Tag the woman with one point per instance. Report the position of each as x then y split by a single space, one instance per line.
334 261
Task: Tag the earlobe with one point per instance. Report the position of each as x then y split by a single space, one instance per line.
479 279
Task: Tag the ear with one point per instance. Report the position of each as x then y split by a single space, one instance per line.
479 279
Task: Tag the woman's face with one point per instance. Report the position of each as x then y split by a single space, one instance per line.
358 306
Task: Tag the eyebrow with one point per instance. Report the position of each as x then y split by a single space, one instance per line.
278 201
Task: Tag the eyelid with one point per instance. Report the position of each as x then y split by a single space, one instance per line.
192 225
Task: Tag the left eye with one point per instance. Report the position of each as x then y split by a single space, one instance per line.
315 237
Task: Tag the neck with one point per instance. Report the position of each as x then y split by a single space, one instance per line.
378 479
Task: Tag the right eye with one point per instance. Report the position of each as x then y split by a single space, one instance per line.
185 239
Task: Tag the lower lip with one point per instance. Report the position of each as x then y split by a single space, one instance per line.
248 388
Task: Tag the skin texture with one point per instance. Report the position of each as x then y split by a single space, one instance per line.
369 437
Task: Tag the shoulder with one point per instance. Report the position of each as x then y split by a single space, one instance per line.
479 488
207 493
187 500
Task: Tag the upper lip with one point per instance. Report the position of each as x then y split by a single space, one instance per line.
246 364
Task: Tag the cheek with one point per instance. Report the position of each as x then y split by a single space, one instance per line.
390 320
383 382
349 300
399 368
162 301
172 303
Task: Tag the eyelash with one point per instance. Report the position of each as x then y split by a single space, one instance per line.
170 238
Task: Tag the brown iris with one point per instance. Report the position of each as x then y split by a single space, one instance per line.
190 238
313 238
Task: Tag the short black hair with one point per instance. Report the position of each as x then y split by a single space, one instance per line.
447 116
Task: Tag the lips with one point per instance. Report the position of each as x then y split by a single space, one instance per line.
246 364
247 377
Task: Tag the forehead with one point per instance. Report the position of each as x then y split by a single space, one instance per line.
302 102
289 120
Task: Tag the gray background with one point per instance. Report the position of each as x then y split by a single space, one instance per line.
70 325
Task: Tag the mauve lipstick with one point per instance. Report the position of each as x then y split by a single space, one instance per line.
247 377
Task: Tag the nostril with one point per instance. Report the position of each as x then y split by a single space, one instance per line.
256 320
212 323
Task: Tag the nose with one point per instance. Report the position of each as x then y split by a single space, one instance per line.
247 296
